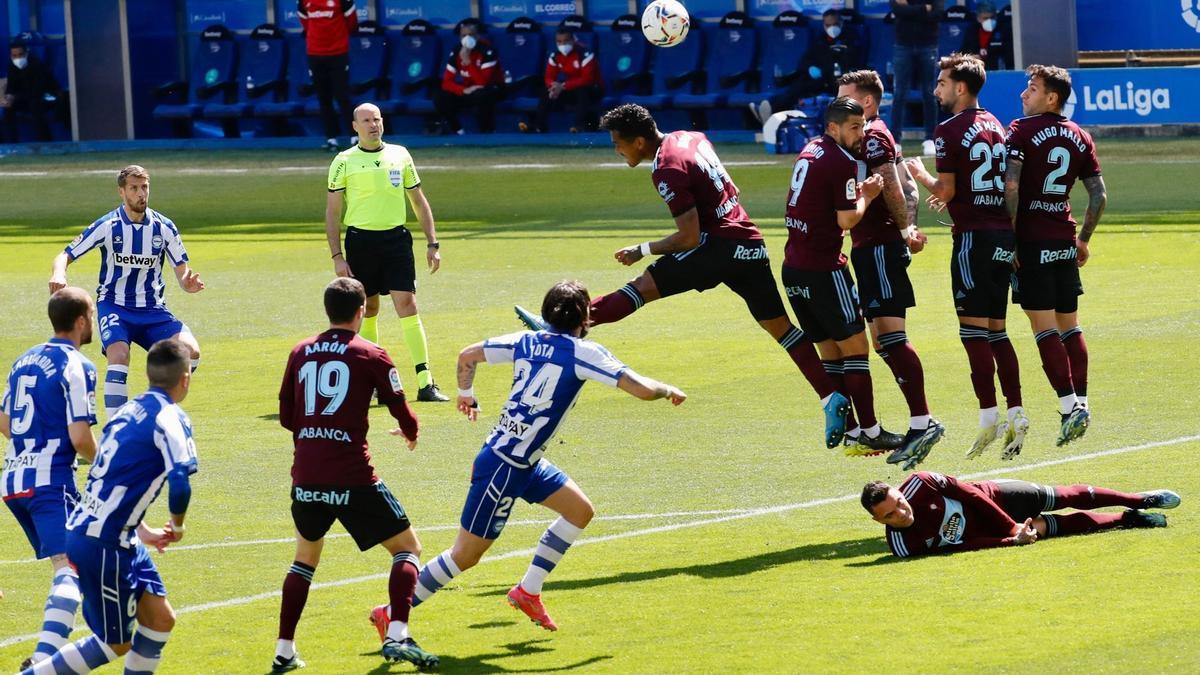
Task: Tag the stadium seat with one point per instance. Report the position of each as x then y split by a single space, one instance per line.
584 32
522 53
624 58
854 23
368 66
297 87
677 70
784 43
415 59
213 77
955 22
261 73
731 64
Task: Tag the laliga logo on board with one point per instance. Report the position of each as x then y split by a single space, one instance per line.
1141 101
1189 14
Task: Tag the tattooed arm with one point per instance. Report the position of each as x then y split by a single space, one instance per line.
468 359
1012 188
1097 201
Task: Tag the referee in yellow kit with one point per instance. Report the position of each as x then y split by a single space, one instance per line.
375 178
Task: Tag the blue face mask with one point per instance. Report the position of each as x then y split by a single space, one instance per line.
565 49
469 41
833 31
21 62
988 25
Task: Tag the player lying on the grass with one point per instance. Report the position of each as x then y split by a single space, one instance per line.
48 410
324 401
148 443
549 369
829 194
934 513
715 243
1046 154
134 240
970 158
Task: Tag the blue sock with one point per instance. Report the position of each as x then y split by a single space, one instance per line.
146 651
435 574
116 393
76 658
59 614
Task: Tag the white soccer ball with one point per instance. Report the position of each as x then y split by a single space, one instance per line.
665 23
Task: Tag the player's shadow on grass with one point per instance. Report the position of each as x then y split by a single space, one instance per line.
481 663
842 550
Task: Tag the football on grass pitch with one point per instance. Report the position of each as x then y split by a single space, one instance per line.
665 23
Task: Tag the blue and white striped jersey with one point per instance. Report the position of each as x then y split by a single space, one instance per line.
132 256
549 370
49 387
148 438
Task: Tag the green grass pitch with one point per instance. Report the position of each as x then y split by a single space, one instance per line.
728 538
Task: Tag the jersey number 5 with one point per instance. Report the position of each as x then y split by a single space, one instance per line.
23 404
331 381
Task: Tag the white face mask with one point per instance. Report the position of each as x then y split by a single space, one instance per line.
21 62
565 49
833 31
469 41
988 25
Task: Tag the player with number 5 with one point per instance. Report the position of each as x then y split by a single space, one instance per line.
549 369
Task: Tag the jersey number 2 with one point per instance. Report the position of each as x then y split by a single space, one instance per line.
331 380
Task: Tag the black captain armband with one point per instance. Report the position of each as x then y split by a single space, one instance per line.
434 244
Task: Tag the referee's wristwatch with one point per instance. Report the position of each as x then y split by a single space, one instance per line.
434 245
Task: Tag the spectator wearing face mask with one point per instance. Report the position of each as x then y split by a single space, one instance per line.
572 79
991 39
31 91
473 79
835 50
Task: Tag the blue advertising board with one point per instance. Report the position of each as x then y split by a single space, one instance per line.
237 16
501 12
769 9
287 18
394 13
1120 24
700 9
873 7
605 11
1108 96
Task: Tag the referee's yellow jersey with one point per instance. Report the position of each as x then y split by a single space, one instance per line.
375 184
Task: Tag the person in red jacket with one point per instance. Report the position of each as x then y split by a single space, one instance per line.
572 78
472 79
934 513
328 25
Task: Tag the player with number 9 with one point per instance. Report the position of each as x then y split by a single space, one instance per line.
326 394
970 155
1046 154
550 367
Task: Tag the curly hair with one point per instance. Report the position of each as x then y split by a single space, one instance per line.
629 121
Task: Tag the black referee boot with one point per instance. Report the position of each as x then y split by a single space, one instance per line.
431 394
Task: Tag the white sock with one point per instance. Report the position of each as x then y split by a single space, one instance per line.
397 630
1067 403
285 648
918 422
872 431
1013 412
825 401
853 433
988 417
1082 401
550 549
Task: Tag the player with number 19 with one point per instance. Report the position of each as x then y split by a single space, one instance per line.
549 369
328 385
970 157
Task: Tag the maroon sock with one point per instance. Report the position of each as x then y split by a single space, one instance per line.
1077 353
857 377
1055 362
1081 496
1079 522
983 366
295 594
804 355
1007 368
401 584
616 305
834 369
899 355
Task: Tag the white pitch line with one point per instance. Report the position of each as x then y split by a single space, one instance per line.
748 513
421 530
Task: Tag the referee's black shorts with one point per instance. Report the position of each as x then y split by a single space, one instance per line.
382 260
